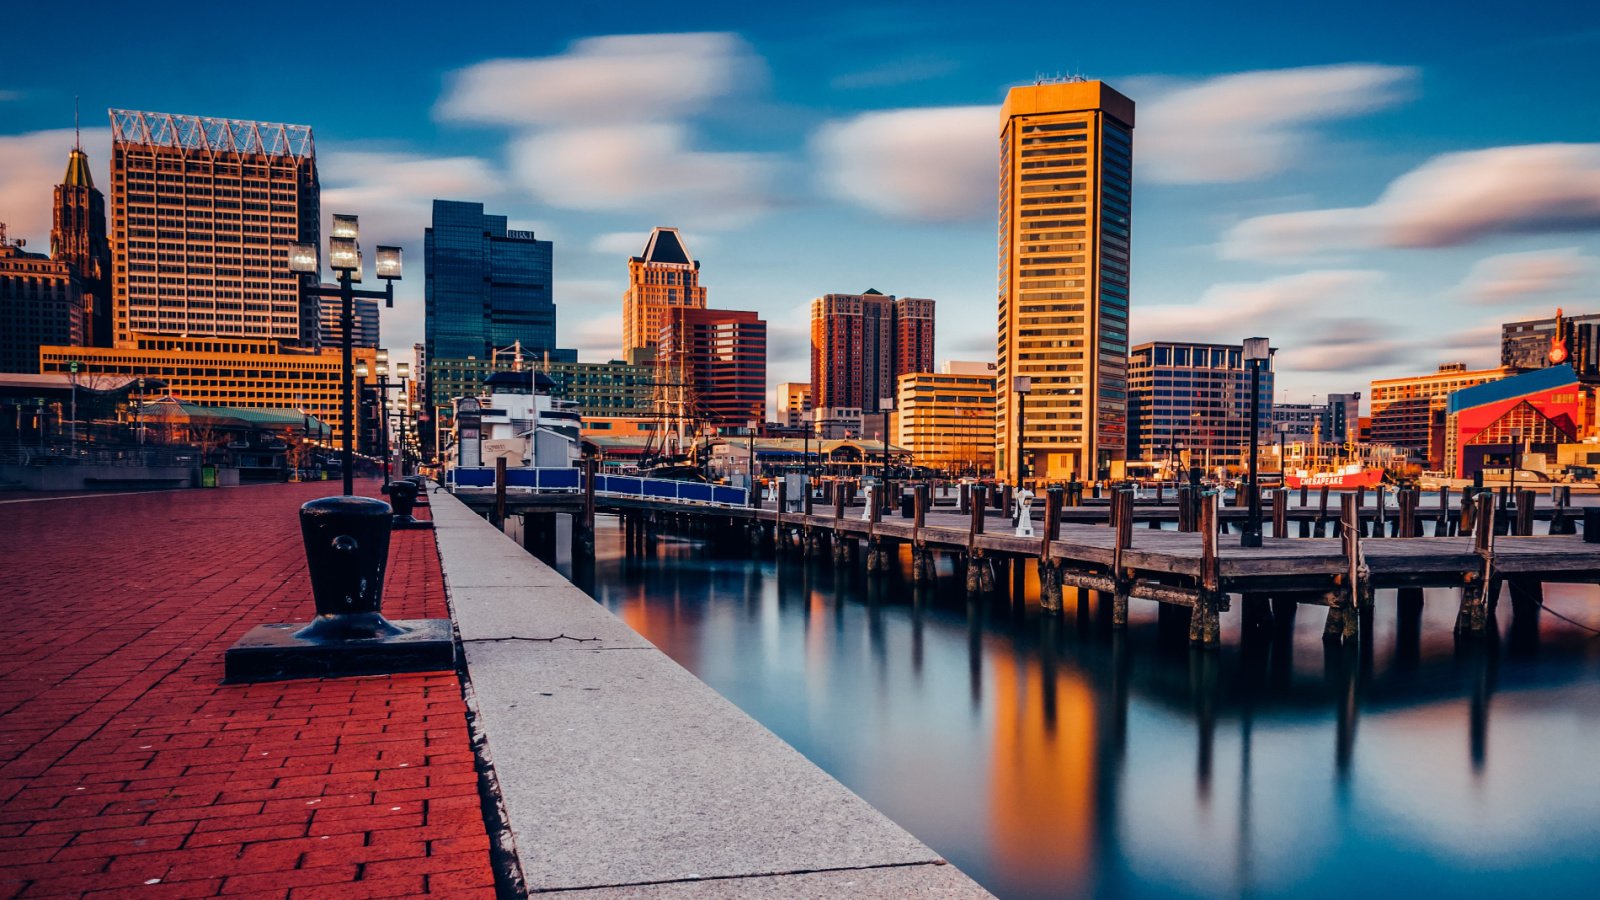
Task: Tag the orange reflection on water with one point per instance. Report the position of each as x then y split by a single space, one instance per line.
1042 772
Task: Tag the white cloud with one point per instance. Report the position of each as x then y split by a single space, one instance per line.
934 164
1308 316
631 243
31 165
633 78
7 96
606 126
579 322
1225 312
394 192
1248 125
1450 200
642 167
1547 275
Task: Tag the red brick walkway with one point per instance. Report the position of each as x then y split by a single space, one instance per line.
128 769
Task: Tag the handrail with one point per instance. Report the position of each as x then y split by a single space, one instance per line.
566 480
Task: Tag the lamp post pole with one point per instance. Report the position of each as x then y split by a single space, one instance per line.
344 255
887 403
1256 352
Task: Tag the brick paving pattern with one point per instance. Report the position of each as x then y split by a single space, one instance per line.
128 769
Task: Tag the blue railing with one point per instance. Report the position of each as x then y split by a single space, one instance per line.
568 480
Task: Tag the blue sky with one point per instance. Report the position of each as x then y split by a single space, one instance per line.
1374 186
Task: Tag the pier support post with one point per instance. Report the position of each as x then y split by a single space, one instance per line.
1204 627
1122 584
1344 613
1473 616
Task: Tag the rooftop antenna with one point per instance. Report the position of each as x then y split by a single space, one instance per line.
77 132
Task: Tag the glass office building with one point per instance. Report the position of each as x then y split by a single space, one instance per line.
487 289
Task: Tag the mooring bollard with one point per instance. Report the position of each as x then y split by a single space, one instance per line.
347 553
403 494
1591 525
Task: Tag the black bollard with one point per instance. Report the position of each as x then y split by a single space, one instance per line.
403 494
347 553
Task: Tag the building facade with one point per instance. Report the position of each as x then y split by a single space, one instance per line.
662 278
214 371
1409 413
946 421
605 390
78 237
862 343
487 296
1066 175
1498 423
41 303
203 212
1191 402
331 324
794 405
1558 340
719 359
1335 421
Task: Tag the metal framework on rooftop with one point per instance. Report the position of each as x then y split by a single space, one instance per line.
216 135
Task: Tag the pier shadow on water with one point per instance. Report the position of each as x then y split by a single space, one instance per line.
1052 756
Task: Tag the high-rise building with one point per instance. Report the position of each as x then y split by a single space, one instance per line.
203 212
1066 175
946 420
78 237
861 343
794 404
663 278
365 313
41 303
1410 413
487 289
1195 398
719 358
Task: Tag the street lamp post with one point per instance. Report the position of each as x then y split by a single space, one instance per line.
1283 432
344 256
1021 385
1257 350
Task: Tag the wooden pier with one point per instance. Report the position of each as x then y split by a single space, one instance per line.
1476 548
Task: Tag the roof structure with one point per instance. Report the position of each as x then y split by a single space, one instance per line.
1511 388
215 135
63 381
666 246
235 416
78 174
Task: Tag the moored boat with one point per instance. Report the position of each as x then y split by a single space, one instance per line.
1349 476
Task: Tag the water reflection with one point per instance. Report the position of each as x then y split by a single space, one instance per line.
1052 756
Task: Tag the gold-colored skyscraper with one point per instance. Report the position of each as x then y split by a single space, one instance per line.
662 279
1066 181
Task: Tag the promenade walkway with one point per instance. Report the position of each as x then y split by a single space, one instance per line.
128 769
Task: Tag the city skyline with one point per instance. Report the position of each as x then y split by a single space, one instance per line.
1327 196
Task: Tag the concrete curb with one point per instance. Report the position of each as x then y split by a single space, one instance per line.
623 775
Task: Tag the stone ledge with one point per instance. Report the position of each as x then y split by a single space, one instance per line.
621 771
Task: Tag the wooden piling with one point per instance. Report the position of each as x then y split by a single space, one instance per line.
1204 628
1280 512
1526 500
1122 503
1344 613
1473 615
